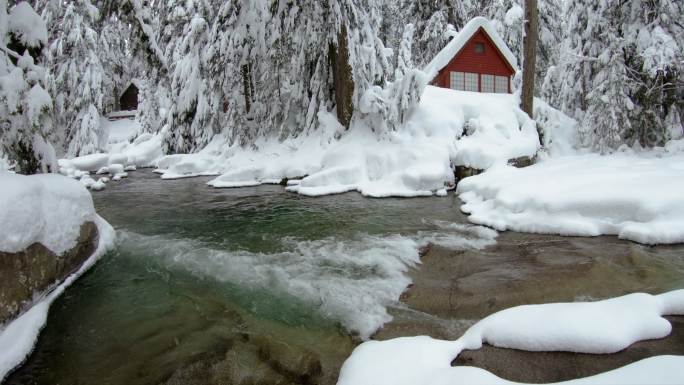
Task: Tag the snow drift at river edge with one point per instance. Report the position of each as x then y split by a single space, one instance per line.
596 327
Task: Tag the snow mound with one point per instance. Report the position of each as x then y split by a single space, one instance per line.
597 327
447 128
19 336
622 194
125 153
48 209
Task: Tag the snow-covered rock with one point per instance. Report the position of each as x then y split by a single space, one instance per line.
122 155
52 211
594 327
92 162
115 168
634 196
48 209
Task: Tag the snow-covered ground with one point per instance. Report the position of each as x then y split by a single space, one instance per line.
637 196
125 153
49 209
447 128
596 327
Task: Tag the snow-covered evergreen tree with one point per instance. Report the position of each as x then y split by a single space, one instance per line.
115 56
621 72
139 20
409 82
76 75
26 130
190 117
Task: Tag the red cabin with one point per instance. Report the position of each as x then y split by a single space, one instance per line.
475 60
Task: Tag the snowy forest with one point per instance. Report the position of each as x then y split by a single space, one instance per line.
248 69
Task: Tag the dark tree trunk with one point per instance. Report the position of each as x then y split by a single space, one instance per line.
529 55
343 81
247 85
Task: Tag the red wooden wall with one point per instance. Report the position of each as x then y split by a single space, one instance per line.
491 62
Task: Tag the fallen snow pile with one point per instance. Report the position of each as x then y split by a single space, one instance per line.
49 209
124 154
447 128
597 327
639 197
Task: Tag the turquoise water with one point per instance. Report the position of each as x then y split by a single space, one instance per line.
197 269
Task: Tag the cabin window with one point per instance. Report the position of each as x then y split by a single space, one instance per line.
471 80
456 81
479 48
501 85
487 83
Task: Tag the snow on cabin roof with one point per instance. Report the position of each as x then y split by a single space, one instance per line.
456 44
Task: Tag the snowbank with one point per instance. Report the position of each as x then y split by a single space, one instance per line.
124 153
596 327
48 209
19 336
635 196
447 128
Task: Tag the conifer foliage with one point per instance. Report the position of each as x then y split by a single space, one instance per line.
26 134
621 72
250 69
77 77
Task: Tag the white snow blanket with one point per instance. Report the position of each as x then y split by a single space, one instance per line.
597 327
639 197
49 209
447 128
125 152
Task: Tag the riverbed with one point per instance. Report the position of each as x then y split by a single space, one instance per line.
257 285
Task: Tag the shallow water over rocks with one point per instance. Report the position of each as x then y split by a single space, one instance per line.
256 285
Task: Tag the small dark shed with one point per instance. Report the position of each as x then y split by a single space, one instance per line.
129 98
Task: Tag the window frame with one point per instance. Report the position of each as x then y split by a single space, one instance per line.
479 45
504 81
491 83
453 80
474 80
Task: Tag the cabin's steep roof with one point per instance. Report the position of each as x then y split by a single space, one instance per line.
456 44
133 82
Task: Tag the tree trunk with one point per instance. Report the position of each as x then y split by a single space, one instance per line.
343 81
246 85
529 55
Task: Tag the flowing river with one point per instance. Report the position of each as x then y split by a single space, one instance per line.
259 286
